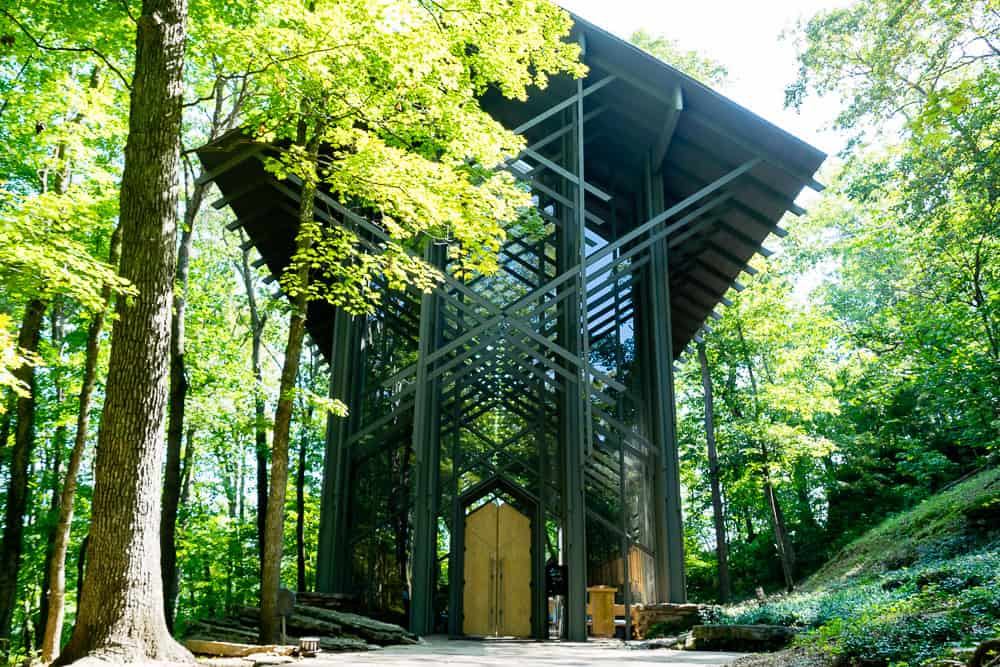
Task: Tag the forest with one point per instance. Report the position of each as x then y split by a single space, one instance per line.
163 414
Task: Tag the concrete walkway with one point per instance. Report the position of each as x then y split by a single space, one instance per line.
501 653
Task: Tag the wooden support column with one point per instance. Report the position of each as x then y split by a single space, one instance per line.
427 447
456 556
669 527
333 566
572 427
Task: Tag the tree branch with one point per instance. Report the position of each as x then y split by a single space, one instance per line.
72 49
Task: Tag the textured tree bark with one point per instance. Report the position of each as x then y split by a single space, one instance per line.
721 544
57 336
177 403
17 488
120 618
81 567
274 526
57 568
300 505
188 468
300 508
783 544
751 533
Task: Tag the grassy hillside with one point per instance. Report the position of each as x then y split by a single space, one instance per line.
910 590
952 521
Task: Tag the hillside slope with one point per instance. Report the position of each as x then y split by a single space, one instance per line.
916 588
952 521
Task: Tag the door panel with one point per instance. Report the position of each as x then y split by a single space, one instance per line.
514 550
497 590
479 595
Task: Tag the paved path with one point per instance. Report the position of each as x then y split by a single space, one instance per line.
441 651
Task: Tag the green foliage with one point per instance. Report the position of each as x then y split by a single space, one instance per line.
872 604
692 63
389 90
11 359
892 392
906 615
936 524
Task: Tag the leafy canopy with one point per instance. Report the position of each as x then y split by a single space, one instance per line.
389 89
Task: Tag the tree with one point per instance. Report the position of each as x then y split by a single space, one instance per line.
718 518
692 63
121 614
17 490
274 526
227 99
61 533
909 234
769 360
394 106
258 321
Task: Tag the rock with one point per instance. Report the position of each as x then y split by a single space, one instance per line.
377 632
314 621
338 644
672 618
336 630
739 637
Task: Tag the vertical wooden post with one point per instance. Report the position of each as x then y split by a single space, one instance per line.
427 447
669 527
333 566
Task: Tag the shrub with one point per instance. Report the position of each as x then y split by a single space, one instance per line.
906 616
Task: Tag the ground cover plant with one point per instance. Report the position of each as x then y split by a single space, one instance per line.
910 591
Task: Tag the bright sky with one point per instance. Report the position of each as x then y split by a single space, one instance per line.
741 34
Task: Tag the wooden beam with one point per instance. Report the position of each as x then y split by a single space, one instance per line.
669 126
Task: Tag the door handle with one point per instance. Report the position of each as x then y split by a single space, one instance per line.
492 595
500 590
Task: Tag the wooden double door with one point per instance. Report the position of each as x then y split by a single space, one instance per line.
497 587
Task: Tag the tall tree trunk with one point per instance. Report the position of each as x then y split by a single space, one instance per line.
721 544
57 568
257 322
220 123
274 526
81 567
784 546
300 505
58 445
188 468
260 451
121 618
748 520
177 404
20 455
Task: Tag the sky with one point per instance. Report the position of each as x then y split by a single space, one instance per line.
741 34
